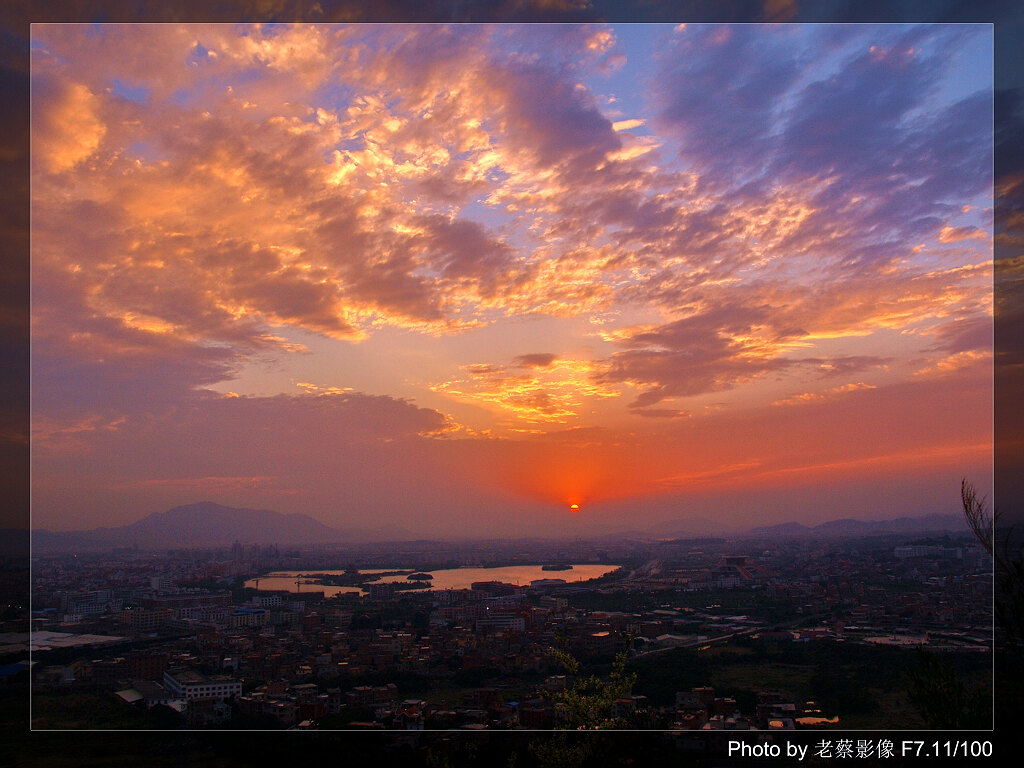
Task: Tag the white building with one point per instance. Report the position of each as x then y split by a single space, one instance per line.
190 685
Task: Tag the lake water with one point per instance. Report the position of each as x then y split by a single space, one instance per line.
455 578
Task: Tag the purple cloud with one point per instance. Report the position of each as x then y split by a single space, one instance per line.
535 360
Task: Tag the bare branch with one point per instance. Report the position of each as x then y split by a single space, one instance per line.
981 523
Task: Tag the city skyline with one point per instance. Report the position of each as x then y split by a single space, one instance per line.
460 278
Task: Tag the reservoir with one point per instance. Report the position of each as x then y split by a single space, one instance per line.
454 578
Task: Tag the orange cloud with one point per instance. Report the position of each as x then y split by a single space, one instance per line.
959 234
956 362
812 397
554 391
205 196
66 124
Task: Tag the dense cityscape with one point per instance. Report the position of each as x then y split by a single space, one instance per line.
681 635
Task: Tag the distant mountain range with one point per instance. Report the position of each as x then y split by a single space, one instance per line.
849 527
696 528
202 525
207 525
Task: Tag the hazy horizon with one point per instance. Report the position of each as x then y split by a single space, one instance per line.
572 526
457 278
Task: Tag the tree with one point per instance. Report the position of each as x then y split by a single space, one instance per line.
997 540
559 751
942 699
587 704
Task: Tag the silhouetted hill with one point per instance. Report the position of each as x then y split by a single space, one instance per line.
692 526
204 524
787 530
207 525
850 527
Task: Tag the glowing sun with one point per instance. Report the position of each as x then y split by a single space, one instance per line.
574 507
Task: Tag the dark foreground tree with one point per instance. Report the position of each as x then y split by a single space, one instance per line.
999 541
943 700
587 704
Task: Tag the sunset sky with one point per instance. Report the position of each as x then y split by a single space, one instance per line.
454 279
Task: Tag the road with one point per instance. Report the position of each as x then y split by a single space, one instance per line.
722 638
